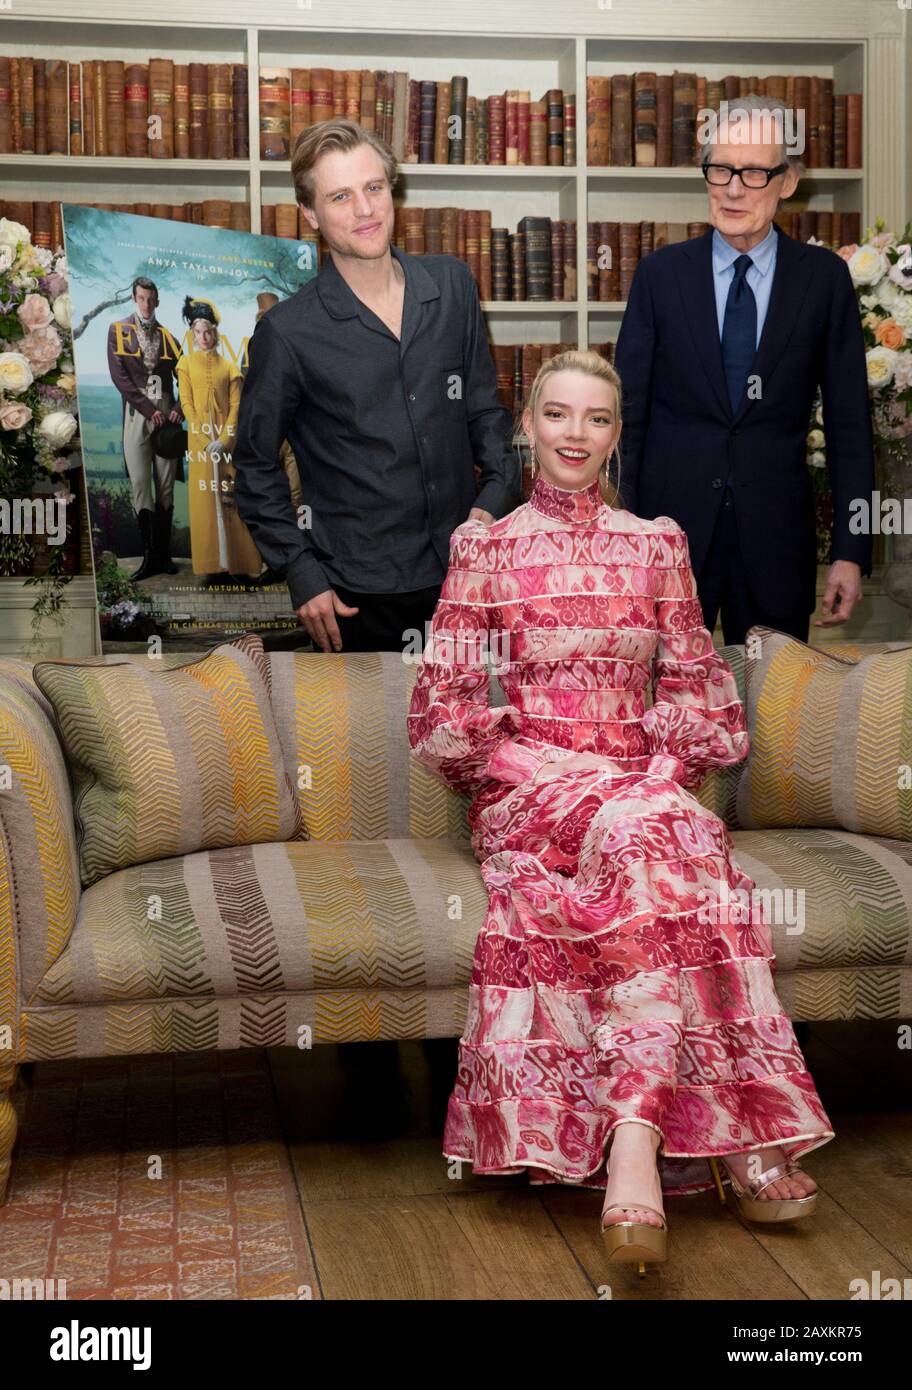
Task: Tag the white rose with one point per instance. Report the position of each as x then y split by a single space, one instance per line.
881 365
63 310
818 414
11 233
816 439
902 270
16 373
58 428
902 312
817 460
6 258
867 266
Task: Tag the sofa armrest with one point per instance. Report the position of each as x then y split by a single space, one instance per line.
39 867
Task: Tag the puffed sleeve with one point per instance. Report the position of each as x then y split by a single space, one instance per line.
696 715
452 726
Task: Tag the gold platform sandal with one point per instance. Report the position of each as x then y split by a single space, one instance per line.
635 1242
767 1209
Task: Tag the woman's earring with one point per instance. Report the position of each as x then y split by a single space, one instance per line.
533 458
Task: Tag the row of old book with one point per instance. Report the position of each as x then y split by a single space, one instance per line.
423 122
159 109
163 109
536 263
516 367
650 120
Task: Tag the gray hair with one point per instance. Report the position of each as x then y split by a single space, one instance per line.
743 108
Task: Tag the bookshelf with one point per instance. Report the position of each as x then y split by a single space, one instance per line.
536 45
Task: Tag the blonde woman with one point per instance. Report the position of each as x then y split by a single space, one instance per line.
617 1004
210 384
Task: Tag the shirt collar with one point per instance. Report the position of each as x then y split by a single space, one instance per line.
725 255
340 300
566 504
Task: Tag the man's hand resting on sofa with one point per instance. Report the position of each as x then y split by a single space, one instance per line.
318 615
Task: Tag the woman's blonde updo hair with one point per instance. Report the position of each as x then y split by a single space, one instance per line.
592 364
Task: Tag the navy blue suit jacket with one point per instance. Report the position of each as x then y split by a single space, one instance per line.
681 441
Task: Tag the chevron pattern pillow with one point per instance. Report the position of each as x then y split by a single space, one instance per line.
167 762
830 735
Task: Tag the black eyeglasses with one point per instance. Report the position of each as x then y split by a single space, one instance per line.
722 174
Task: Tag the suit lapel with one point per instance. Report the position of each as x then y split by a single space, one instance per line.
697 290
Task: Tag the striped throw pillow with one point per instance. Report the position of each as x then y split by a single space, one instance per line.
830 736
167 762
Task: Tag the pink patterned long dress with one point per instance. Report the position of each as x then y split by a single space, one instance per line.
610 981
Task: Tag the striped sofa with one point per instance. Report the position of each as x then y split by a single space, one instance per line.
364 930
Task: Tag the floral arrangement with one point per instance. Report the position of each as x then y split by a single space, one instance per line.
39 423
124 610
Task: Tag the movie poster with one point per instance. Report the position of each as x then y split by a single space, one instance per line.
162 315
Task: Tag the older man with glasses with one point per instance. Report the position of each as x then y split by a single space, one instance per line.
723 345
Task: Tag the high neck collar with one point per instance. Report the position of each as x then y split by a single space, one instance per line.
566 504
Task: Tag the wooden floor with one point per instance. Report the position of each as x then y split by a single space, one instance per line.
384 1220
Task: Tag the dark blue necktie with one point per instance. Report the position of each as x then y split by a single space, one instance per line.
739 332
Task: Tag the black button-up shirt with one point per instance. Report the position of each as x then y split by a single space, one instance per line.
386 431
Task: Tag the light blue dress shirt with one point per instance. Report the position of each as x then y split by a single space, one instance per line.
759 275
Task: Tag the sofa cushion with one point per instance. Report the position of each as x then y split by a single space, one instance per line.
830 736
399 914
165 762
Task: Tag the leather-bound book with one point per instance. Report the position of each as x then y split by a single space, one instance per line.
427 122
449 231
570 275
473 244
199 110
482 133
538 132
531 362
162 210
851 228
136 110
732 85
621 120
592 260
644 119
647 238
812 133
368 116
775 87
240 217
352 96
683 119
496 128
74 109
807 224
41 223
389 101
114 99
27 105
485 282
570 130
6 132
837 233
536 233
557 259
790 91
502 355
169 101
413 130
460 233
338 92
824 231
56 226
217 213
826 122
629 239
267 219
523 126
840 126
145 209
321 94
397 140
471 128
241 107
664 118
511 126
433 231
695 229
598 120
459 91
180 106
101 108
58 103
275 117
286 220
39 76
441 118
803 104
609 262
666 233
221 135
517 266
500 264
853 130
87 94
555 99
413 231
702 89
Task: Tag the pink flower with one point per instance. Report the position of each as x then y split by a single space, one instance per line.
847 252
41 348
14 415
34 312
